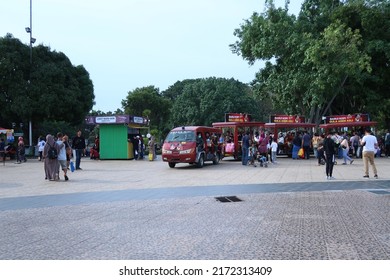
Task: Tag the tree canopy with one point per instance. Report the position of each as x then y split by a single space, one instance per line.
148 102
49 88
204 101
331 59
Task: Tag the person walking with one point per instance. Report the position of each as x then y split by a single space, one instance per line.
320 150
62 161
51 165
274 150
297 143
21 151
370 144
329 152
355 139
41 145
152 148
78 144
306 144
345 146
314 143
68 150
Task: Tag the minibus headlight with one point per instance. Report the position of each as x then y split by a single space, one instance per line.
184 152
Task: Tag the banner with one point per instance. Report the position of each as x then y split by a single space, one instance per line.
237 117
117 119
347 118
287 119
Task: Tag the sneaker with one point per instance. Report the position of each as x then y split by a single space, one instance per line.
332 178
376 176
366 176
344 163
351 162
327 177
66 178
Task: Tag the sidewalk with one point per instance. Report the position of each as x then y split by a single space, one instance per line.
146 210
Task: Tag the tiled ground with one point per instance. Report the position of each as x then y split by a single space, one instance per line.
145 210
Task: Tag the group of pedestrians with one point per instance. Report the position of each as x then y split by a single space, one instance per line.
260 148
368 142
57 153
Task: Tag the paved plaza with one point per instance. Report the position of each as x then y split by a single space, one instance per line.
137 210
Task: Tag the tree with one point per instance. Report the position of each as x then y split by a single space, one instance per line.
50 88
323 62
204 101
148 100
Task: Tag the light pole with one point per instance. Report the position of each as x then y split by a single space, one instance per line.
32 41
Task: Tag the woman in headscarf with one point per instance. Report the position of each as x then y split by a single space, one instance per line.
52 166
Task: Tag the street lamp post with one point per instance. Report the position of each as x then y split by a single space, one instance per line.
32 41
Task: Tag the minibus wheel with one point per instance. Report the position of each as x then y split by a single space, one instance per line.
171 164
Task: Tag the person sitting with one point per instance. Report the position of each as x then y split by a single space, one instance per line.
262 160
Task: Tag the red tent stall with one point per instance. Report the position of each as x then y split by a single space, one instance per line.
287 123
234 126
356 122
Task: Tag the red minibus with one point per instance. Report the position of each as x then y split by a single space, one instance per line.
182 145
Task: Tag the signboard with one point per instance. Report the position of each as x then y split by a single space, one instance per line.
347 118
117 119
237 117
287 119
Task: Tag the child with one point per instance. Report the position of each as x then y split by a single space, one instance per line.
252 154
263 160
274 149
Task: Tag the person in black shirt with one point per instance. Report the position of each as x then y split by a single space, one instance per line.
329 152
78 144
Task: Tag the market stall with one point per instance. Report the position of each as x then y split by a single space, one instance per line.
355 122
281 126
235 125
116 134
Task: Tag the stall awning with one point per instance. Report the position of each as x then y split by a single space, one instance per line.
327 126
289 125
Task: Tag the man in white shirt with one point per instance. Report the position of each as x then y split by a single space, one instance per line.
370 144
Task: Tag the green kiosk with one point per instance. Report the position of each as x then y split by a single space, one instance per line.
116 134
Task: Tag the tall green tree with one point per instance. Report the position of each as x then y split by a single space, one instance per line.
49 89
325 60
148 100
204 101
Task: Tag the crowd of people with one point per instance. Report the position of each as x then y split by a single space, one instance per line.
258 148
264 147
139 146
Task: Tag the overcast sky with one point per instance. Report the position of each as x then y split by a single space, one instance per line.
128 44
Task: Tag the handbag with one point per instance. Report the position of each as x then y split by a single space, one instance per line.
301 153
71 166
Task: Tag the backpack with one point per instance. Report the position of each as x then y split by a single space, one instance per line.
52 153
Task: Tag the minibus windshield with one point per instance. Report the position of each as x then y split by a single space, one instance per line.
181 136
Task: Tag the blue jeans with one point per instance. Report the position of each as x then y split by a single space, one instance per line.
244 155
79 152
295 151
345 156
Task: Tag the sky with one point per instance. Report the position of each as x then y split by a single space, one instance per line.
129 44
